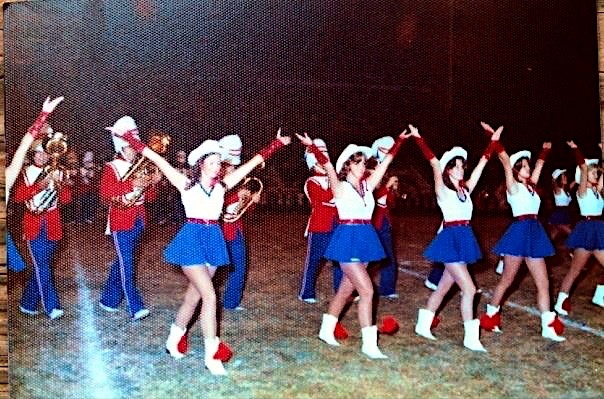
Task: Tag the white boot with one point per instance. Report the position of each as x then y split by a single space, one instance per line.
327 328
176 333
370 347
471 333
424 321
499 268
548 331
214 365
598 298
562 296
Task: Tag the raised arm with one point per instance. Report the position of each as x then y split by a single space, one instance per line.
494 146
37 130
376 177
511 184
238 174
547 146
439 185
580 159
334 182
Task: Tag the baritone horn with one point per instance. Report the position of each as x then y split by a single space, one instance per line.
55 146
251 186
144 169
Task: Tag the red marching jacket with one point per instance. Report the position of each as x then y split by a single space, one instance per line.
384 200
230 229
323 211
25 190
113 190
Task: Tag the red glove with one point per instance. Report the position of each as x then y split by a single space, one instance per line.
396 146
428 154
266 152
494 146
133 141
579 156
35 128
543 154
321 158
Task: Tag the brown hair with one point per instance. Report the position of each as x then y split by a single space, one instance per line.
356 158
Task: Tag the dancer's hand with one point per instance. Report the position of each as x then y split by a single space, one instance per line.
283 139
306 140
50 105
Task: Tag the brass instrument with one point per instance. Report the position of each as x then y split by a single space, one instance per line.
55 146
144 169
251 186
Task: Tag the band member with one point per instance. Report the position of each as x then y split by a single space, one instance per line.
385 199
455 244
560 221
587 238
525 240
39 129
41 190
88 188
126 220
321 223
355 242
233 231
199 246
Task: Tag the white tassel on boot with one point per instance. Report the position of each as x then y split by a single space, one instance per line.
598 298
559 302
369 346
548 332
328 326
176 334
214 365
471 335
424 322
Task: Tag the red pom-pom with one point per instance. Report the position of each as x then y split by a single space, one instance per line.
183 344
566 305
340 332
489 323
389 325
224 353
435 322
557 325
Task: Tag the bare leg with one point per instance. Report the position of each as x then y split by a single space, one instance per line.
357 277
187 308
510 270
437 296
538 270
579 260
462 278
201 279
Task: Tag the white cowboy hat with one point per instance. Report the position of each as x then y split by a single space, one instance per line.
310 158
556 173
449 155
381 146
520 154
578 169
349 151
119 128
232 144
207 147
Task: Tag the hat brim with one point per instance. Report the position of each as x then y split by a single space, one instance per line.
578 169
349 151
449 155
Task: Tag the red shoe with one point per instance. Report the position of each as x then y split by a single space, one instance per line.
557 325
183 344
491 323
224 353
435 322
340 332
566 305
389 325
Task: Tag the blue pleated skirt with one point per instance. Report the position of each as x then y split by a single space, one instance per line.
587 234
526 238
354 243
14 260
455 244
197 244
560 215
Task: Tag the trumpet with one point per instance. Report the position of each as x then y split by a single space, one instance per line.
143 169
55 146
250 187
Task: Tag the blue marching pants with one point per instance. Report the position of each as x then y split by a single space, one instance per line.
235 283
120 282
40 287
388 271
317 244
14 260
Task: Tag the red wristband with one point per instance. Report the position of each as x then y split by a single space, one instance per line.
579 156
426 151
34 129
266 153
543 154
321 158
396 146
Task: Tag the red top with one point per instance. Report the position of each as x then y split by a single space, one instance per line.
230 229
323 211
385 200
